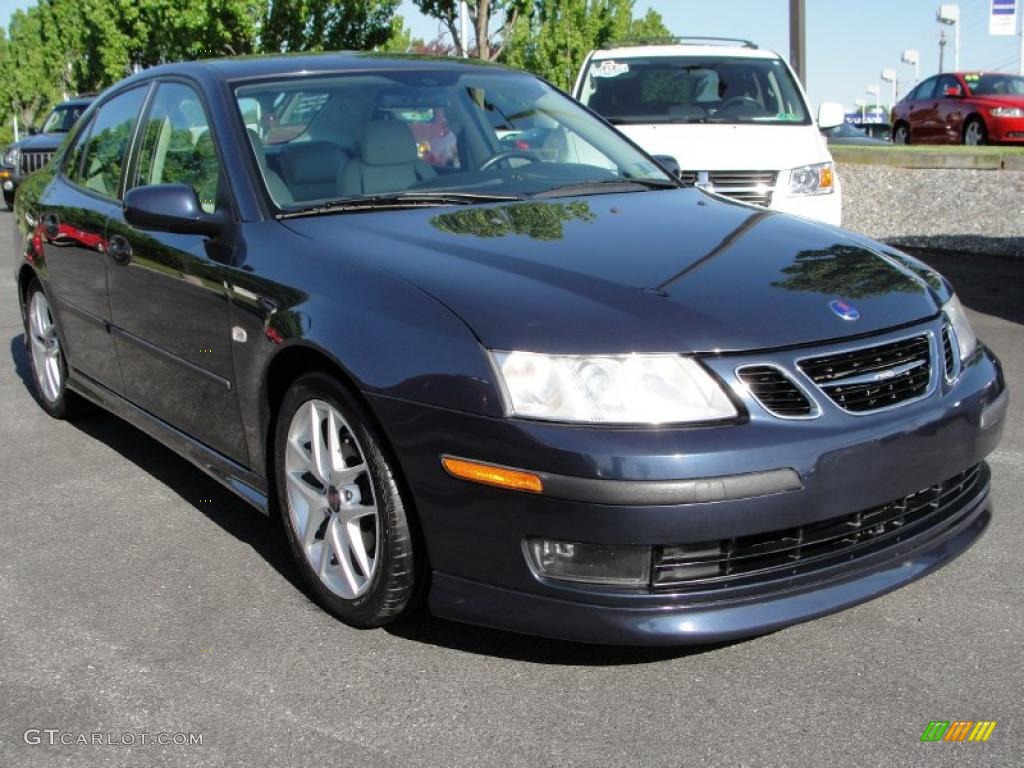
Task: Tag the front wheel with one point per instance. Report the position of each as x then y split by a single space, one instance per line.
974 133
901 135
341 505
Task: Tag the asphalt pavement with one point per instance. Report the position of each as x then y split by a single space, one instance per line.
138 597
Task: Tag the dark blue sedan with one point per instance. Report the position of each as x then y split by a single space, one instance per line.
551 391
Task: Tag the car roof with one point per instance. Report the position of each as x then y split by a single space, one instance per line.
704 51
258 66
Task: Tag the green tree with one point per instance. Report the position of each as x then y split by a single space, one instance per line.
401 39
553 39
316 25
488 44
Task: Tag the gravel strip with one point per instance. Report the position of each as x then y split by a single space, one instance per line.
971 211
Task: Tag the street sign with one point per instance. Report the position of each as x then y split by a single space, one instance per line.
1002 19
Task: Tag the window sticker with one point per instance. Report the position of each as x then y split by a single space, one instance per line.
610 68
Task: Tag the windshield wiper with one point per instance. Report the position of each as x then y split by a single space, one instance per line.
606 186
398 201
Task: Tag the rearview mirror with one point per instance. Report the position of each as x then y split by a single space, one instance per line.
830 114
669 163
170 208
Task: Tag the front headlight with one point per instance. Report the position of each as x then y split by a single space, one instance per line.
611 389
1007 111
11 157
818 179
966 339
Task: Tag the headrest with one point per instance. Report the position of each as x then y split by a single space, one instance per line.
388 142
312 162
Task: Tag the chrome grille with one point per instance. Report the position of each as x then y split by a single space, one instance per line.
872 378
774 390
792 551
34 161
754 187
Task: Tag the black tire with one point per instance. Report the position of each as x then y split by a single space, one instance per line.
9 199
901 134
974 133
396 584
65 403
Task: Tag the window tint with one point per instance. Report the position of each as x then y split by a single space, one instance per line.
108 142
926 90
177 146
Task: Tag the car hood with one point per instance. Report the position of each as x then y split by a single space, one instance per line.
718 147
42 142
663 271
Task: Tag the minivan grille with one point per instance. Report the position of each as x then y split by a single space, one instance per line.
872 378
34 161
775 391
789 552
747 186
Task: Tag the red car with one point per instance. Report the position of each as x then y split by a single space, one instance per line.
962 108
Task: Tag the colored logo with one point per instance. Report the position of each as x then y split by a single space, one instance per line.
958 730
844 309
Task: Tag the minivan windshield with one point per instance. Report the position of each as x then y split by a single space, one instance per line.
430 136
694 89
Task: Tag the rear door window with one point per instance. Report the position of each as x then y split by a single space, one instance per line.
104 152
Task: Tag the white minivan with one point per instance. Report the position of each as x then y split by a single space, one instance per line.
732 116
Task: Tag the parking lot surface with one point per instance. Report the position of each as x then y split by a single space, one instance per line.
138 597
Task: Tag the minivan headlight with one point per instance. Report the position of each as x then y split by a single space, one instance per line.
611 389
966 338
818 179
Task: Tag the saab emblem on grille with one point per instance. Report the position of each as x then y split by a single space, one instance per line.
844 310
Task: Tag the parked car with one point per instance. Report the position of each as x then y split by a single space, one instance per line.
733 117
847 134
27 156
564 396
962 108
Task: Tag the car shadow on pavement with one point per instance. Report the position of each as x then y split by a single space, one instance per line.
989 284
222 507
267 538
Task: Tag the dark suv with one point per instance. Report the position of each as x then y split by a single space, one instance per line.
27 156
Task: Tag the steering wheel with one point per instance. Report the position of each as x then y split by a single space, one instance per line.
507 155
739 101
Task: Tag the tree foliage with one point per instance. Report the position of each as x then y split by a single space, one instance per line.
492 21
317 25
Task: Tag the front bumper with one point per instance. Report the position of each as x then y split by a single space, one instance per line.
845 463
1006 130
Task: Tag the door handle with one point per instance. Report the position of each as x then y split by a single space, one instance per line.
120 250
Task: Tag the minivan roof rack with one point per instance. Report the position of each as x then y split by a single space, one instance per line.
687 40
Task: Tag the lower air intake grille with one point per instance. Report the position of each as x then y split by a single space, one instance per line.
785 553
775 391
947 352
872 378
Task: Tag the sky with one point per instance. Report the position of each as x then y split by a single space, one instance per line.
848 43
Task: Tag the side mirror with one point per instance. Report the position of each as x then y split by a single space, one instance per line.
669 163
830 114
32 130
170 208
953 92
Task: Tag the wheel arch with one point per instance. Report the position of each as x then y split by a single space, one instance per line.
25 277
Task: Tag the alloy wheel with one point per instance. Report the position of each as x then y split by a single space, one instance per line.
45 347
974 135
331 503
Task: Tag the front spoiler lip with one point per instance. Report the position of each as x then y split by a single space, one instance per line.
473 602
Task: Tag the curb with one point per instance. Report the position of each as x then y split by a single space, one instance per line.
898 157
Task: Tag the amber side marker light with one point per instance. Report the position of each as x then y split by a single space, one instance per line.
488 474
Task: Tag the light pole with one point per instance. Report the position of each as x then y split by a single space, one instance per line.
913 57
950 16
874 90
889 76
862 103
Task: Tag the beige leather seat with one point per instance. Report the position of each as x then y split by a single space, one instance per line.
387 162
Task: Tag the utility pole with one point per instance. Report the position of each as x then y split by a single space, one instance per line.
1020 64
798 39
464 28
942 49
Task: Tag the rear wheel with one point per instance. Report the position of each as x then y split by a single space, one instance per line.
901 135
49 367
341 506
974 132
9 199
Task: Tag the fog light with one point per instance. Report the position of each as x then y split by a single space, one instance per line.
613 564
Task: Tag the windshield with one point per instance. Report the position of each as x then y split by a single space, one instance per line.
685 89
995 85
63 118
430 132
